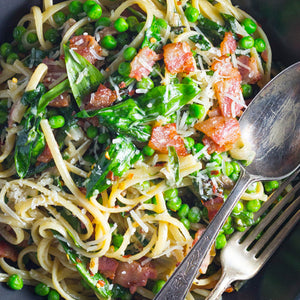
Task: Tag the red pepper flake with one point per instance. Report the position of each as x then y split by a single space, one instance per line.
78 260
131 93
130 175
111 176
214 172
127 255
107 155
122 85
100 283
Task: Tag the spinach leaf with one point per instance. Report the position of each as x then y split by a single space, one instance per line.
199 39
230 23
30 140
124 118
80 262
51 94
35 58
212 30
173 164
84 78
165 100
153 32
117 159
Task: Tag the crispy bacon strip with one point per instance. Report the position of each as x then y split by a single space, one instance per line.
178 58
86 46
222 133
213 205
164 136
248 69
228 45
45 156
8 251
141 65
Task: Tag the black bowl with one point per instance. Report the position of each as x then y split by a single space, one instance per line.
280 278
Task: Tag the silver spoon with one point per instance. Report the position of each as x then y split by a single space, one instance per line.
271 123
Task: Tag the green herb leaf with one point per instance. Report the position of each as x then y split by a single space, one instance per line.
199 39
84 78
152 32
173 164
117 159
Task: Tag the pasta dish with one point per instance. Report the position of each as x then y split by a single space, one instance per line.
120 141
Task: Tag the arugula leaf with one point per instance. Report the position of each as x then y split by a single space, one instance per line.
173 164
230 23
152 32
35 58
124 118
51 94
117 159
199 39
84 78
165 100
103 289
212 30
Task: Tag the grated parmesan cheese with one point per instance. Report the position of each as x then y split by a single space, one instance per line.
136 217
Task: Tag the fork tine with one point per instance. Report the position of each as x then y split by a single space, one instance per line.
270 249
271 215
277 223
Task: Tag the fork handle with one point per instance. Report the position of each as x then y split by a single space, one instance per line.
220 287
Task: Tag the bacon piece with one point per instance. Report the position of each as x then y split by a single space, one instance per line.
222 131
178 57
213 205
103 97
264 55
133 275
108 266
228 45
63 100
54 72
141 65
45 156
8 251
86 46
228 89
164 136
248 69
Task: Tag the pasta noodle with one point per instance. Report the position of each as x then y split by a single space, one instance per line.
120 141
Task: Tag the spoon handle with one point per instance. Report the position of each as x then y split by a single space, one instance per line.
179 283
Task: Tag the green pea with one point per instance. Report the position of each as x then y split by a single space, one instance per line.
79 31
249 25
87 5
109 42
228 168
240 228
57 121
220 241
183 210
59 18
52 35
246 42
236 167
170 194
102 138
32 37
146 83
252 188
53 295
238 207
92 132
189 142
124 69
129 53
41 289
117 240
15 282
197 110
75 7
103 21
94 12
194 214
132 23
270 186
121 25
148 151
260 45
217 158
140 26
174 203
190 120
161 23
234 176
123 39
186 223
5 49
192 14
158 286
11 58
228 230
18 33
246 90
253 205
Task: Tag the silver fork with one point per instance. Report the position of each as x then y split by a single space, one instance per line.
245 253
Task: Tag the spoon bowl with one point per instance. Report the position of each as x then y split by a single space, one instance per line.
270 125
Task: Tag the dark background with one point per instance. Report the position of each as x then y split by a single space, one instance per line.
280 278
